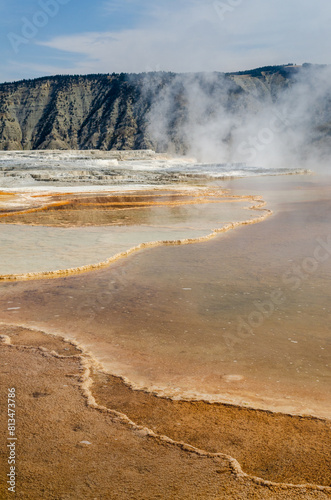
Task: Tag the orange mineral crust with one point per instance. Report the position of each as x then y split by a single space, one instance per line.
93 437
194 370
114 229
69 209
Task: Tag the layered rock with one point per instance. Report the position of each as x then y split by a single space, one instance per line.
112 112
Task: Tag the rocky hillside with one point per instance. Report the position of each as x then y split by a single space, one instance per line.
92 112
118 111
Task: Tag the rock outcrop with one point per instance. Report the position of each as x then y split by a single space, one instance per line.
112 112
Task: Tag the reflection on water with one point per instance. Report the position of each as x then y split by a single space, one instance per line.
29 248
197 320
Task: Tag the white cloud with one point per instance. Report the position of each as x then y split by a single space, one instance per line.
190 36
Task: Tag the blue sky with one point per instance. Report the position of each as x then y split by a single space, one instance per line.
45 37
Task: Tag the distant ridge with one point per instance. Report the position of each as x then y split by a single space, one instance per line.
111 111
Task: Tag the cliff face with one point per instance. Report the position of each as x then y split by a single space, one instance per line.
69 113
114 111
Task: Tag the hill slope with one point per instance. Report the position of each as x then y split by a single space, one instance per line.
137 111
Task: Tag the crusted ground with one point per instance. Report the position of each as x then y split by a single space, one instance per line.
71 447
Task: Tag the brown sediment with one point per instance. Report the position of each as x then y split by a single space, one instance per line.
50 375
114 205
6 196
258 206
132 192
277 447
59 213
70 201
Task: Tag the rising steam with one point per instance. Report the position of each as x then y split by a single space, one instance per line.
279 119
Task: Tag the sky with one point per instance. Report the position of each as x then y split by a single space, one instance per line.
48 37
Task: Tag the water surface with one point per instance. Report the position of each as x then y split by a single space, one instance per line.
33 248
196 320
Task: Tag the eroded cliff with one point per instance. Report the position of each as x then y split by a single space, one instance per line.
110 112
